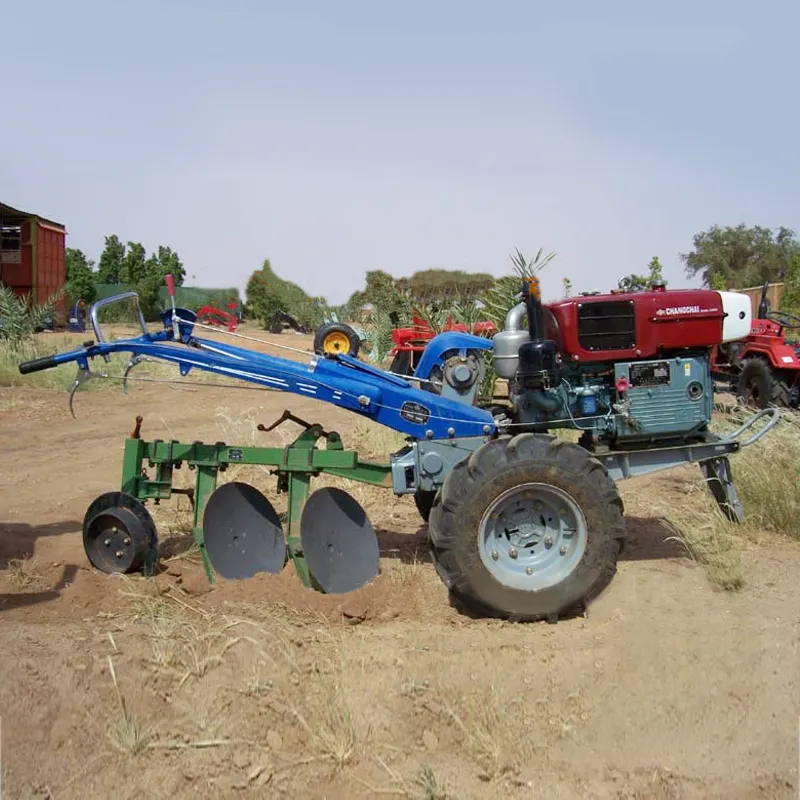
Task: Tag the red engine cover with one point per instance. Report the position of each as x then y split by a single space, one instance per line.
635 325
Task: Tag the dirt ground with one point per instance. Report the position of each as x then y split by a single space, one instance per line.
163 687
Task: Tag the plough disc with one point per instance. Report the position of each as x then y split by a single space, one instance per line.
242 532
118 533
339 542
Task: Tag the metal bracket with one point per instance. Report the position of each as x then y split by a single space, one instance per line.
717 472
137 359
308 438
285 417
81 376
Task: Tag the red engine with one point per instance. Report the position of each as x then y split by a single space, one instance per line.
636 325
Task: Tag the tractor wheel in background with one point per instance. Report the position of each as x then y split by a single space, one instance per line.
794 394
336 338
528 527
759 386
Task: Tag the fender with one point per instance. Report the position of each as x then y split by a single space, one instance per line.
449 340
779 355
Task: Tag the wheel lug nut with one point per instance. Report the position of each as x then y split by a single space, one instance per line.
119 554
513 552
107 542
127 540
494 555
563 550
548 541
529 570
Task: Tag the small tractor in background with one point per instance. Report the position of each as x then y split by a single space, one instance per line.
281 320
410 342
762 369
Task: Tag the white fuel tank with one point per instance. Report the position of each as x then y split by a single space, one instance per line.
738 310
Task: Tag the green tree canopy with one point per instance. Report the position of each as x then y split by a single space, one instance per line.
109 270
740 257
791 296
80 277
267 293
441 285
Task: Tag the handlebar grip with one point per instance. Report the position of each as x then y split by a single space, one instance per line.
170 285
38 364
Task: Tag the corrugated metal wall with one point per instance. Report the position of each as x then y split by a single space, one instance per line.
51 269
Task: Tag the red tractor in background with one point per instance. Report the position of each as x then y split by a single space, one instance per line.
410 342
763 369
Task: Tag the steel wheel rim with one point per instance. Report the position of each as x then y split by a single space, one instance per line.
532 536
336 342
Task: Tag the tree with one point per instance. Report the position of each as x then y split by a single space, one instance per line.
740 257
443 285
134 267
80 277
170 263
267 293
791 296
641 283
109 269
501 297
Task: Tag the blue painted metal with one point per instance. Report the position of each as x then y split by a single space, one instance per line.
450 340
341 380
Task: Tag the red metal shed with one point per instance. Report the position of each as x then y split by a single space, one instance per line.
32 254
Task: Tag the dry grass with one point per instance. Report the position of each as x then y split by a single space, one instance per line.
298 668
127 733
374 441
24 573
767 479
62 377
425 786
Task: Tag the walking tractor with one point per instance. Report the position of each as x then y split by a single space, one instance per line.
521 524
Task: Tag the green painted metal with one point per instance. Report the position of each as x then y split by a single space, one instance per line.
148 469
204 486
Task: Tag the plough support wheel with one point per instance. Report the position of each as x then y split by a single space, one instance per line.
119 534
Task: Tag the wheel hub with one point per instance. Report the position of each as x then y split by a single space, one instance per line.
336 342
532 536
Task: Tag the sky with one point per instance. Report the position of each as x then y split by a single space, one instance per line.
337 137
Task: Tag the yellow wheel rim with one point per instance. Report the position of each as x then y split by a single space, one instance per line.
336 342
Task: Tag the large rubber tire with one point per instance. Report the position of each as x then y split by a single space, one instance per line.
456 528
760 386
336 338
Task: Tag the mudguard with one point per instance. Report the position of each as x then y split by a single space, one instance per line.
449 340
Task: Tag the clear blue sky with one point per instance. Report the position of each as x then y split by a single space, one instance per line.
337 137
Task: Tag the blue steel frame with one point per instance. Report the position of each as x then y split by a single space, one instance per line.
341 380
